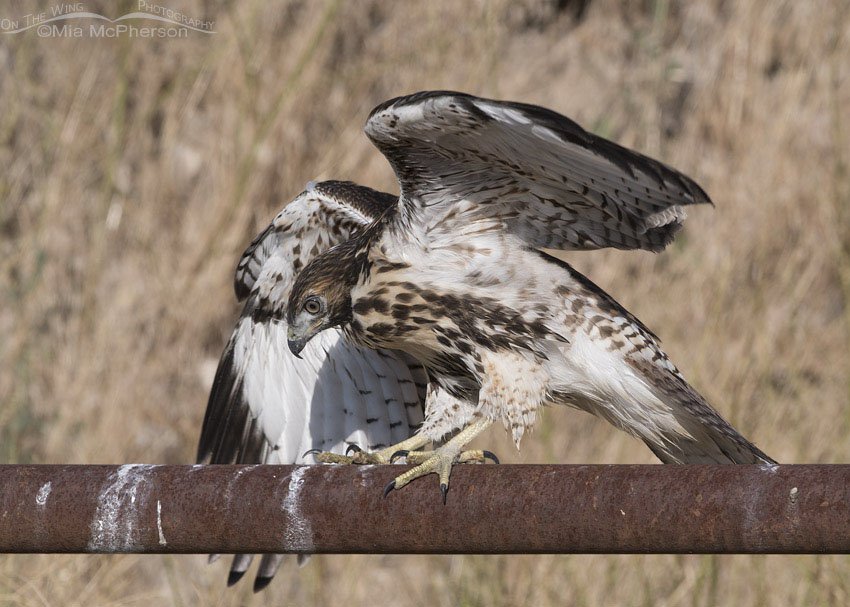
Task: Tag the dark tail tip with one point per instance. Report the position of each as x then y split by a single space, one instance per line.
233 577
260 582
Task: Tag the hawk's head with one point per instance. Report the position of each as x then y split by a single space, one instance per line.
321 296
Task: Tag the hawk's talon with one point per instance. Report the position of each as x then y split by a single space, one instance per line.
355 455
388 488
477 456
441 460
311 452
399 454
328 457
359 457
414 458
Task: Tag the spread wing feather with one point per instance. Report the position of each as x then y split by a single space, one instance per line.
551 182
266 406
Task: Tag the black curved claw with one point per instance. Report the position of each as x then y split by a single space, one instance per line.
388 488
444 488
352 447
311 452
490 455
401 453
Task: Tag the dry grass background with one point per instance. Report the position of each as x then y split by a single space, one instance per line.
134 172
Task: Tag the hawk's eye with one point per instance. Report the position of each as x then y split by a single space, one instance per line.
312 306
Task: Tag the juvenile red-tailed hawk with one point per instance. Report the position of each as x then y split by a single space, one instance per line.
451 273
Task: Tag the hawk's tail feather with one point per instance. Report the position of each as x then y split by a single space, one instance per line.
721 452
269 565
238 567
709 439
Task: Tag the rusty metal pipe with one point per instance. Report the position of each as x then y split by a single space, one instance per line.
491 509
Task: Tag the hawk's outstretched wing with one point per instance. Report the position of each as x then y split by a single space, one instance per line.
268 407
553 183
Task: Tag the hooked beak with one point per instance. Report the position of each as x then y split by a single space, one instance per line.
295 343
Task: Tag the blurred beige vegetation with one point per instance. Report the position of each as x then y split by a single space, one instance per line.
134 172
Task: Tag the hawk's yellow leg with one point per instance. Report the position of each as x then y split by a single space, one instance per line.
364 457
441 460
